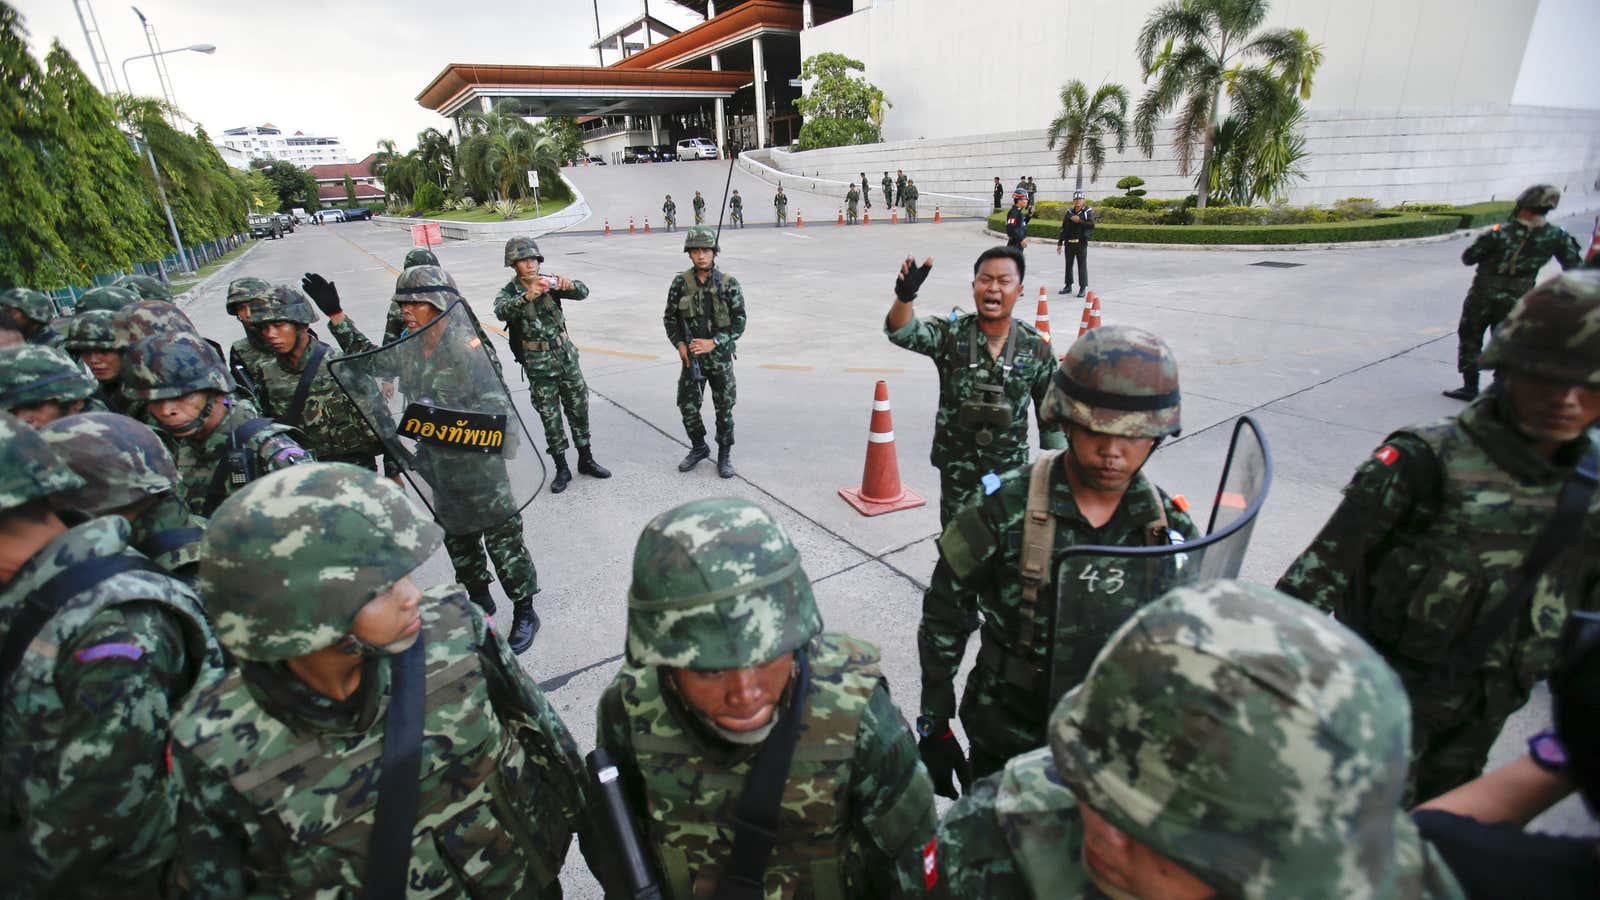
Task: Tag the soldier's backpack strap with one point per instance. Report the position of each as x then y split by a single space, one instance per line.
755 818
229 466
44 601
1564 529
389 844
297 403
1157 532
163 542
1038 543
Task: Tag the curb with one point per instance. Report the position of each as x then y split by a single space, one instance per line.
1258 248
205 284
574 213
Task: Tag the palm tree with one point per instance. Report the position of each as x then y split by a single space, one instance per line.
1258 147
1084 122
1196 49
437 153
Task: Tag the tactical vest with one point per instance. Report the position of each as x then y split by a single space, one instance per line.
1436 581
1040 822
317 793
691 818
692 289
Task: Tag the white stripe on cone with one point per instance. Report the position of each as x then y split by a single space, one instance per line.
880 437
880 406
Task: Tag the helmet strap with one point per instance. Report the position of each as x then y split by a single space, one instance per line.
189 428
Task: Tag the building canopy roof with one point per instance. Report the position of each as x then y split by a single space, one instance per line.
578 90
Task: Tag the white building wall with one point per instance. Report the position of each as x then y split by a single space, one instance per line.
1562 64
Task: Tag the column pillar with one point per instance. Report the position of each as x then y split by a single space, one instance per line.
805 14
721 111
759 63
655 130
711 9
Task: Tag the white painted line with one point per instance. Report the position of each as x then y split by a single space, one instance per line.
803 237
885 437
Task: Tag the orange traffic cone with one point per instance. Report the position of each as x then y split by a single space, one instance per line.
799 220
936 215
866 218
1094 312
1041 320
646 224
1088 308
607 221
630 224
881 491
894 216
841 216
1594 242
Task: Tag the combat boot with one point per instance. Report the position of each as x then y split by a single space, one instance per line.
1083 290
696 453
724 464
563 474
524 624
1468 389
479 594
588 466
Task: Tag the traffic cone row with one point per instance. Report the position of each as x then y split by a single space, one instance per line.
799 220
841 216
894 216
1091 314
646 224
630 225
1041 320
881 491
936 215
607 221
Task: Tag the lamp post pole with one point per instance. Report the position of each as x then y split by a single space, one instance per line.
155 171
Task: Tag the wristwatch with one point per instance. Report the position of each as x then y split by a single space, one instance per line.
1547 753
928 726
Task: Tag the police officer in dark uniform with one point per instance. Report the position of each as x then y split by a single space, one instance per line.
999 192
1017 221
1076 227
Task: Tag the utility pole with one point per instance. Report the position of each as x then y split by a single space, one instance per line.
97 46
161 67
599 54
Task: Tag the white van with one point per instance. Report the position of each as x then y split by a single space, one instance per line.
697 148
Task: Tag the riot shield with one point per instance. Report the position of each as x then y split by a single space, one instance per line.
438 405
1099 587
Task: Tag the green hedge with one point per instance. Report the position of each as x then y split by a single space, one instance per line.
1480 215
1378 229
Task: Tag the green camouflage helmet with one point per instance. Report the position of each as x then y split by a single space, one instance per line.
35 306
29 468
283 304
1260 745
1116 380
521 248
92 330
144 318
243 290
120 460
169 365
701 237
108 298
422 256
1553 332
427 284
289 559
36 373
146 287
1541 198
717 584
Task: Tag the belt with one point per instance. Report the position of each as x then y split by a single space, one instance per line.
1012 669
545 346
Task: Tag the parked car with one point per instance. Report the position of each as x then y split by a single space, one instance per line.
265 227
330 215
357 214
596 161
285 222
696 148
641 153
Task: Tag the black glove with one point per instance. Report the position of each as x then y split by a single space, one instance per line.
322 292
942 755
907 285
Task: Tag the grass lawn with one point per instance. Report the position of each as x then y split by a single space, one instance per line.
487 213
179 285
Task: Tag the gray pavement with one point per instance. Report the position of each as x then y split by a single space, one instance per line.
1328 356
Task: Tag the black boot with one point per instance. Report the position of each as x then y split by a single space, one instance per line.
524 624
1067 289
563 474
479 594
724 464
1083 290
1468 389
588 466
696 453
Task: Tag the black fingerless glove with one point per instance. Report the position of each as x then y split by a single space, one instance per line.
907 285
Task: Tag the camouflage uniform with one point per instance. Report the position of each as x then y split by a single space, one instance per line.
960 353
280 783
123 463
93 331
331 428
145 286
37 311
780 206
34 374
852 200
1509 257
172 365
1255 746
1433 530
736 210
714 311
251 354
1007 702
717 585
909 200
699 209
86 809
669 211
888 190
107 299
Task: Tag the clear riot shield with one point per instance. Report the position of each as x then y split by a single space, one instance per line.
1099 587
441 410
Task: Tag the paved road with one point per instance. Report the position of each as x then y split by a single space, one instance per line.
1329 356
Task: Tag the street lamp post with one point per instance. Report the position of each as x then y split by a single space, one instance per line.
161 191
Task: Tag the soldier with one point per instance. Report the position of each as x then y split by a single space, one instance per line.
1017 221
1076 229
92 341
1033 192
221 441
780 205
31 311
107 298
736 210
281 762
888 189
39 384
1225 744
990 365
249 356
145 286
999 192
704 319
728 667
296 388
1508 257
1462 544
128 472
423 295
530 304
910 200
852 199
669 212
100 652
1115 397
393 326
866 192
699 209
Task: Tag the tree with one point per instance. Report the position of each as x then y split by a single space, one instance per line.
32 252
840 109
501 147
294 186
1197 49
1259 147
436 155
1132 185
568 137
1084 122
349 190
428 197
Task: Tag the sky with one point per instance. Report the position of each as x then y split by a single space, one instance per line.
350 68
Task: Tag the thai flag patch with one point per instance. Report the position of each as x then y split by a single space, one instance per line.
930 863
109 651
1386 455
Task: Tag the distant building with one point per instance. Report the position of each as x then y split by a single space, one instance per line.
269 142
330 182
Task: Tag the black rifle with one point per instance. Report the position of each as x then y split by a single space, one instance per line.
695 372
613 811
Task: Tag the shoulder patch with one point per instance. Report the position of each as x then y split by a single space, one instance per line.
991 483
109 651
1388 454
1180 502
930 862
